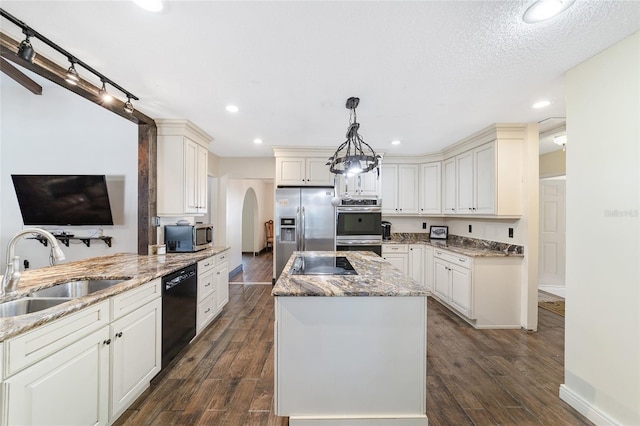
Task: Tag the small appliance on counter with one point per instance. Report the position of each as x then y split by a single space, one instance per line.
185 238
386 230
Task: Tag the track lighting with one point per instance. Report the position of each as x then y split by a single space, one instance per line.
106 96
128 107
25 51
72 75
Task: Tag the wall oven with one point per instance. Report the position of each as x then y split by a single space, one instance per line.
359 225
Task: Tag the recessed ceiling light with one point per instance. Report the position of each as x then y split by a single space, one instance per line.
396 142
232 108
542 10
150 5
541 104
257 141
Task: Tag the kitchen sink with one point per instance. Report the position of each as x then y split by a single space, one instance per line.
77 288
29 305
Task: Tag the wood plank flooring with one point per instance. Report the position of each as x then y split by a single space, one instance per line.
474 377
255 269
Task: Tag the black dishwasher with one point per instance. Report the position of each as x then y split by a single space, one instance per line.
179 304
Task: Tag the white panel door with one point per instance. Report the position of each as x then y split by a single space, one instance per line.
551 268
449 186
430 189
416 263
464 180
318 172
408 188
441 286
222 285
389 188
191 176
461 289
485 179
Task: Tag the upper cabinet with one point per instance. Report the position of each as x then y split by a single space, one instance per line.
399 188
183 156
486 180
362 184
430 188
298 171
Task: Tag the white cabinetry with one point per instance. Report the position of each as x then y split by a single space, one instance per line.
416 262
485 291
428 268
430 188
486 180
65 385
136 344
397 255
213 288
453 281
182 168
87 367
399 188
362 184
297 171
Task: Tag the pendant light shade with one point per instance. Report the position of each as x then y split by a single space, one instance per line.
25 51
354 155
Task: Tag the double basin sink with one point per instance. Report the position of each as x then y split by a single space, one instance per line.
52 296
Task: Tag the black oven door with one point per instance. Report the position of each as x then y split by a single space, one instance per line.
358 223
376 248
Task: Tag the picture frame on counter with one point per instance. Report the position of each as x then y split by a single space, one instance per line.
438 232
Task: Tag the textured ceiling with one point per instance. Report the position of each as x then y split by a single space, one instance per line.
428 73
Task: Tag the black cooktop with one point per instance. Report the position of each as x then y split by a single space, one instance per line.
322 265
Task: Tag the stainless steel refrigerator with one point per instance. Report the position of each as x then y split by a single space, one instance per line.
305 221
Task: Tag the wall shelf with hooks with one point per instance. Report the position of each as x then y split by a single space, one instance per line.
65 240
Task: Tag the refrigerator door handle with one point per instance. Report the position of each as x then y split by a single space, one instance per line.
303 227
298 229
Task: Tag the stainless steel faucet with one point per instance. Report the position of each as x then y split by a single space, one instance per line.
12 273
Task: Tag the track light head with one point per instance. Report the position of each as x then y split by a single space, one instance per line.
106 96
128 107
72 75
25 51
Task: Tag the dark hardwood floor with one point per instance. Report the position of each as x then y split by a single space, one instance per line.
255 269
474 377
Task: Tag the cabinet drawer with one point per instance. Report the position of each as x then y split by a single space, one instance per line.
206 284
206 264
131 300
32 346
206 311
395 248
222 257
456 259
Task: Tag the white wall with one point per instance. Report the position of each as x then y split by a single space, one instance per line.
61 133
235 193
602 337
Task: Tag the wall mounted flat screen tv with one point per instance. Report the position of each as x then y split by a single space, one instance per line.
63 199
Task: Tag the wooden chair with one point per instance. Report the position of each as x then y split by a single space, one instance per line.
269 233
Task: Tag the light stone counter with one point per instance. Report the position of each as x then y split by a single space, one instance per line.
376 277
471 247
136 268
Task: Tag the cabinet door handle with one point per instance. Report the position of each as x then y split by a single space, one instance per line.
462 260
119 334
207 284
107 342
207 311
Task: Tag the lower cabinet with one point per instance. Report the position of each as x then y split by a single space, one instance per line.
485 291
397 255
416 262
69 387
428 268
135 355
85 368
213 288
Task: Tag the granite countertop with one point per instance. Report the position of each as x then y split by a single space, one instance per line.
471 247
376 277
136 268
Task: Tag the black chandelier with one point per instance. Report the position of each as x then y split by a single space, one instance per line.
26 52
354 155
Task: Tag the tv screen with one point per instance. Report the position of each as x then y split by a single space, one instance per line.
63 199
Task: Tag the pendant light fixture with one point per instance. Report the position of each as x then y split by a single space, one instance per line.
72 75
354 155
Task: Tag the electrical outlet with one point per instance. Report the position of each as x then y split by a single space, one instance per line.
470 228
510 232
424 225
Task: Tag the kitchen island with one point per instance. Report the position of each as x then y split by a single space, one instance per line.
350 349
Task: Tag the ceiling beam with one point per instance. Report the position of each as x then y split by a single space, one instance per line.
20 77
56 74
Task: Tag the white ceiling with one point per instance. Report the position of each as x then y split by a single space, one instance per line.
428 73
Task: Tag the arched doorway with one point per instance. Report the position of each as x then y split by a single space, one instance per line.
250 222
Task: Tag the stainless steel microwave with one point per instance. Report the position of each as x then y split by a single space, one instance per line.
188 238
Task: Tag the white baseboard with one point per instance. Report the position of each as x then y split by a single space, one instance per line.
558 290
584 408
